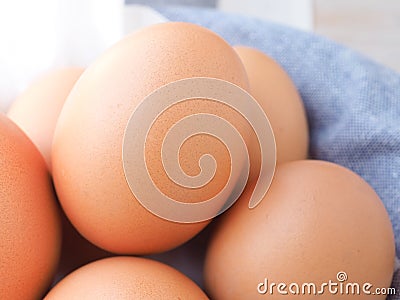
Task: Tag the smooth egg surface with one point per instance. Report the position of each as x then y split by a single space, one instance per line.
126 278
37 109
272 87
318 222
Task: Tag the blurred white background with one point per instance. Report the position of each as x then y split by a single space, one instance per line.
38 35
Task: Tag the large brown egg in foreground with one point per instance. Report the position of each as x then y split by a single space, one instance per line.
126 278
318 222
272 87
87 150
30 234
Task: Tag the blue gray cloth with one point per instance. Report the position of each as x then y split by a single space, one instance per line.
352 103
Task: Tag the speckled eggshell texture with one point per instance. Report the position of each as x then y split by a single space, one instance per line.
30 233
87 149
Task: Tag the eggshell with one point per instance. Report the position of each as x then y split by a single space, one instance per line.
30 233
37 109
272 87
126 278
317 219
36 112
87 149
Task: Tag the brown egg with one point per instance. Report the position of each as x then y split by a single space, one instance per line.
126 278
30 233
37 109
87 149
278 97
318 222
